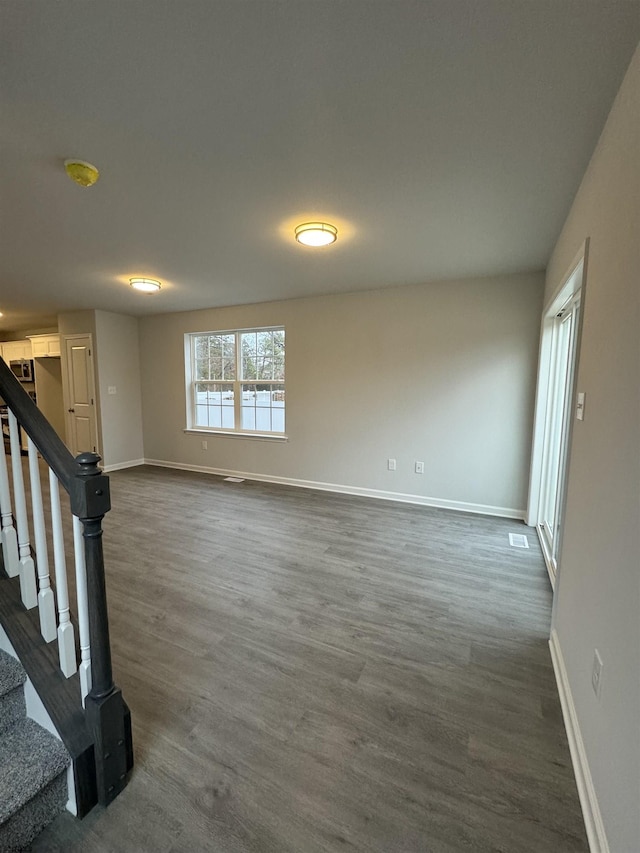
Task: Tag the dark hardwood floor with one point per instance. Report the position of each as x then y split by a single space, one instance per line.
313 672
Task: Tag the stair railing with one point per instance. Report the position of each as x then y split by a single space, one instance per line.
89 497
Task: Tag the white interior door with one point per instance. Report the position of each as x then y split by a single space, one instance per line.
81 409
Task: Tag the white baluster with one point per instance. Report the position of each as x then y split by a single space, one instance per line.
83 609
27 570
9 537
66 634
46 600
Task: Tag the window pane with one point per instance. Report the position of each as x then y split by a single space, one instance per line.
248 407
263 355
228 411
228 356
215 368
263 407
277 346
214 356
248 417
249 355
214 405
277 408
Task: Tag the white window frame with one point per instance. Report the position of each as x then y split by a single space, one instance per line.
238 382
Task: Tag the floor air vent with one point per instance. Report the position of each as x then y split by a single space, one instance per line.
518 540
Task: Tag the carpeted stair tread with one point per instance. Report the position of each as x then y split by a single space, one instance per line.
30 758
20 830
12 678
12 673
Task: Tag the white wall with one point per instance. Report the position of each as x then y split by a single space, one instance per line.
77 323
118 367
598 592
443 373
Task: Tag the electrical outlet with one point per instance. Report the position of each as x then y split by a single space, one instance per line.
204 445
111 389
596 673
391 464
419 467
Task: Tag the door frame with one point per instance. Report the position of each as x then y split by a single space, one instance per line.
66 392
573 282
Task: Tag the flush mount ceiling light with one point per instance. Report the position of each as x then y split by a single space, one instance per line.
81 172
146 285
316 234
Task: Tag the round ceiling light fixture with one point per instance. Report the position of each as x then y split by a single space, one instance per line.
84 174
316 234
146 285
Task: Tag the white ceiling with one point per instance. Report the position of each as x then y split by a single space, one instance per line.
444 138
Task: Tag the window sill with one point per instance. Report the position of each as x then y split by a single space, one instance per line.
262 436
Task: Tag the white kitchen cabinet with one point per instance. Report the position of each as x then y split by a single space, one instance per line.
45 346
12 350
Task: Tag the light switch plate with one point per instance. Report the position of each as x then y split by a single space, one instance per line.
580 406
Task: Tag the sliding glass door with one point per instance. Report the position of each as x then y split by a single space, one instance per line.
563 331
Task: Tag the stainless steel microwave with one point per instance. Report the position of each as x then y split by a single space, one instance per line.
22 369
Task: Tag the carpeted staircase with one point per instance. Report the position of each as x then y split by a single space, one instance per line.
33 764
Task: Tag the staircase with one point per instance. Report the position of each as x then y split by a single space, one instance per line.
54 614
33 765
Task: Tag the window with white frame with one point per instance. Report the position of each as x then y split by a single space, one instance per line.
235 381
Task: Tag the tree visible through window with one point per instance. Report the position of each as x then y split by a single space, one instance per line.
237 381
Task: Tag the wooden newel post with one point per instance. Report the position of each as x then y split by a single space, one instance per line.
104 706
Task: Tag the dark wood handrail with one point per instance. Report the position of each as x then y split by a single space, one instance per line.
33 422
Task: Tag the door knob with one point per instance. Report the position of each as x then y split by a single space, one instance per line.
71 410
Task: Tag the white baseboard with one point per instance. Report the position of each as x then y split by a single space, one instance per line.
588 800
441 503
118 466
